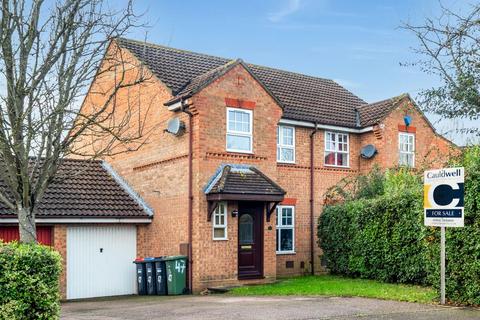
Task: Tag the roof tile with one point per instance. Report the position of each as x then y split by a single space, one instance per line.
83 188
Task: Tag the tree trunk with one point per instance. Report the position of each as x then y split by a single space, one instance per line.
26 225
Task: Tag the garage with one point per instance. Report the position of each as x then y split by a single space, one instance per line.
90 216
99 261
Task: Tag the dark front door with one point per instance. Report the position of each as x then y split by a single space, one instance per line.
250 240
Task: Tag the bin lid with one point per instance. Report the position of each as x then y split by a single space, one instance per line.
168 258
138 260
149 259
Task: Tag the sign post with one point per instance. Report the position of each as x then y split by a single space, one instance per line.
443 207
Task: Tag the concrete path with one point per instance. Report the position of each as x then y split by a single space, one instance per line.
228 307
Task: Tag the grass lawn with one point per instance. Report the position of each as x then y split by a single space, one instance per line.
328 285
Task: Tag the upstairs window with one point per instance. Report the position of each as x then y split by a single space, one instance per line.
406 147
220 222
285 229
286 144
336 149
239 130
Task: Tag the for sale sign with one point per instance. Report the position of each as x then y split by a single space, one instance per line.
443 197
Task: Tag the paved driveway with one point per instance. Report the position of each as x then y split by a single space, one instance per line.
227 307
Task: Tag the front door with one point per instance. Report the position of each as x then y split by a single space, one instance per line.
250 240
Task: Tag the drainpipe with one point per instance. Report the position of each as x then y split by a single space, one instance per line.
312 207
190 190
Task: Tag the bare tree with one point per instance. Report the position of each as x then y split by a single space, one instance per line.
50 52
449 47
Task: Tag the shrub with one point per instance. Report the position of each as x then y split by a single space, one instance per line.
383 237
29 276
462 244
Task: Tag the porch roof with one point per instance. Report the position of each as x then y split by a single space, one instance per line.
242 182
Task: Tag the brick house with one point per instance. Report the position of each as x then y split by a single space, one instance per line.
244 184
239 157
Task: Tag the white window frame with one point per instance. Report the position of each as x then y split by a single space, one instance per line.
400 152
336 151
281 146
220 226
240 133
279 226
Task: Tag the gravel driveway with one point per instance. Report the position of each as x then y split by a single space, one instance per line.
228 307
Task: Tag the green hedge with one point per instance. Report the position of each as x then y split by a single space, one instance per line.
383 237
462 244
29 282
377 238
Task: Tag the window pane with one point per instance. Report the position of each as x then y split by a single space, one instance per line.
238 143
403 159
286 154
330 158
410 160
287 136
238 121
219 233
245 229
342 159
287 217
286 240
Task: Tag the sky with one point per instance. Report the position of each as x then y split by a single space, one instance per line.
359 44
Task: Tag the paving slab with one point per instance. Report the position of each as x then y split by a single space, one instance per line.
228 307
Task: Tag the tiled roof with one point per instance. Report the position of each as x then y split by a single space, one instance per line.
85 188
373 113
242 179
303 97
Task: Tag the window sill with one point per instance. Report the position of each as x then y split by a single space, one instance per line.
334 166
285 253
286 162
220 239
239 151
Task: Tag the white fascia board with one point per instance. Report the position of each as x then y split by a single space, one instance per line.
307 124
176 106
81 220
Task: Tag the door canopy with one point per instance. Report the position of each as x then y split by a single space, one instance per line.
234 182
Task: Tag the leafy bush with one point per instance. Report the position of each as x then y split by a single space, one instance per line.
383 237
462 244
29 276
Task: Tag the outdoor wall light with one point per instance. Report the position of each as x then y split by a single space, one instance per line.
234 213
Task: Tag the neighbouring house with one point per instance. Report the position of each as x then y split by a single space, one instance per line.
90 215
239 157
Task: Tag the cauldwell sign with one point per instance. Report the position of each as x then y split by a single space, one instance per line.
443 197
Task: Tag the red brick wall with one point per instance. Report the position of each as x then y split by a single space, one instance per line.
431 150
215 262
60 244
159 172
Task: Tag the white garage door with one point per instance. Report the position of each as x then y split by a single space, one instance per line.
99 261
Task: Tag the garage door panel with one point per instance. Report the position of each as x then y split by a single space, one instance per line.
99 261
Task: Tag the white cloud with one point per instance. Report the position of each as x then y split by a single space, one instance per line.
290 7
